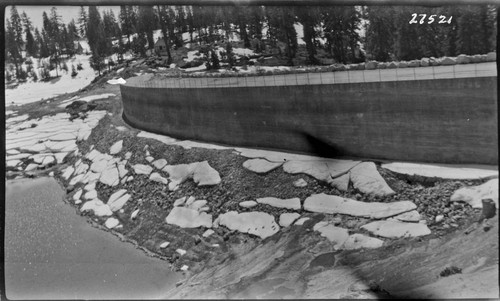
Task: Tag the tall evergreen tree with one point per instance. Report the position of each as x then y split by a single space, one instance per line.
31 45
164 22
281 28
12 48
127 20
83 22
97 39
146 23
309 17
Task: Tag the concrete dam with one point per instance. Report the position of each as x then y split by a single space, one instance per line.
416 115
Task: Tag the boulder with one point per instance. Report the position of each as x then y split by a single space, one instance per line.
445 61
142 169
392 65
286 219
463 59
414 63
491 57
424 62
402 64
475 194
110 176
300 183
116 147
160 163
382 65
476 58
111 223
341 183
156 177
98 207
257 223
189 218
371 65
366 178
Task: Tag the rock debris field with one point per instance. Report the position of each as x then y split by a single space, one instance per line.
184 200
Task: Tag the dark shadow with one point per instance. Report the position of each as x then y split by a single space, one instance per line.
322 148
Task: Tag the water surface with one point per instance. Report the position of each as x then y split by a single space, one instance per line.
53 253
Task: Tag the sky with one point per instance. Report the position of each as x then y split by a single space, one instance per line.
66 12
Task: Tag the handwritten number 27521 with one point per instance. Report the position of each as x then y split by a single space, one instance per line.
430 19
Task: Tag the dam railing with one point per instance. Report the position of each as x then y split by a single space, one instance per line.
310 77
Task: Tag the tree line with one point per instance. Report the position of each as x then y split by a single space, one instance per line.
335 31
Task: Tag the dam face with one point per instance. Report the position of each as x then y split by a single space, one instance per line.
451 120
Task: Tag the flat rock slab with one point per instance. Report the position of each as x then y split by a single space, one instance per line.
321 169
205 175
286 219
98 207
301 221
366 178
272 156
161 138
156 177
293 203
475 194
189 218
396 229
300 183
118 199
257 223
336 235
248 204
410 216
201 173
142 169
111 223
444 171
342 182
116 147
68 172
160 163
110 176
360 241
332 204
260 165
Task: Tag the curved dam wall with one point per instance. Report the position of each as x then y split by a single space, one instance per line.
443 120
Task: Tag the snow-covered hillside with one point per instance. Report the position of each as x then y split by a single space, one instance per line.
34 91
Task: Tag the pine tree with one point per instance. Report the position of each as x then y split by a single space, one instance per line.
44 48
12 49
280 23
73 30
146 23
309 17
31 45
97 39
164 24
14 39
380 37
127 21
83 22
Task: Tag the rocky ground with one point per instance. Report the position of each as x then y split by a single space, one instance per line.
244 223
